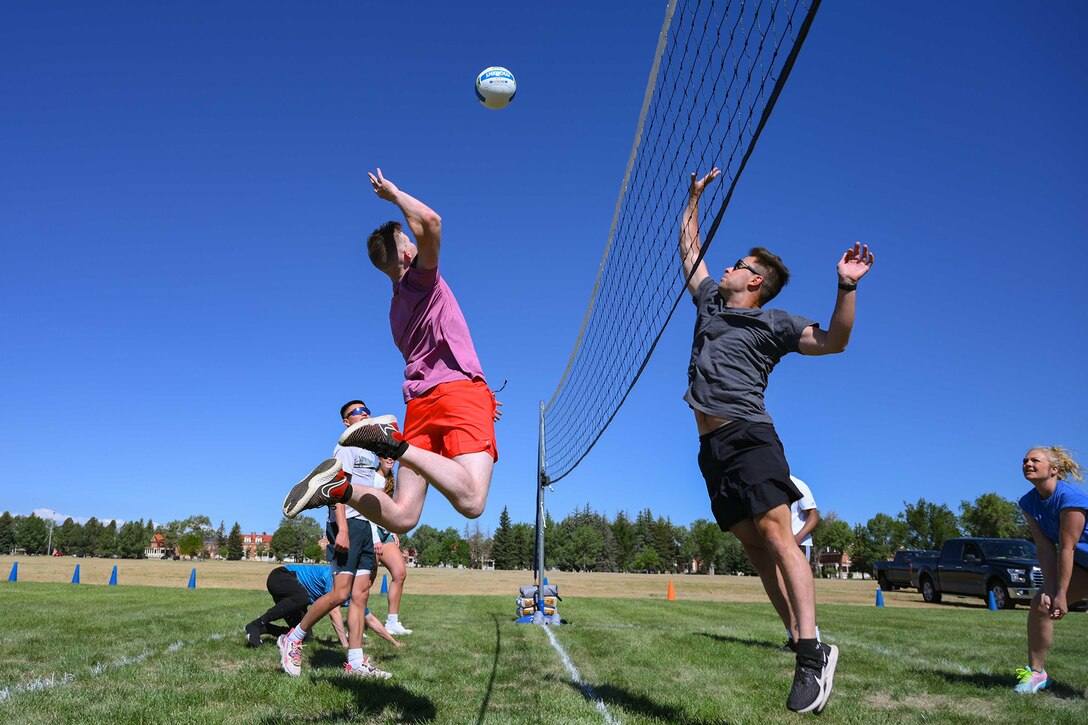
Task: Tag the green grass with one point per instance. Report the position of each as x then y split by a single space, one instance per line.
142 654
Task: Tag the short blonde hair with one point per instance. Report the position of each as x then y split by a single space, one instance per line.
1062 459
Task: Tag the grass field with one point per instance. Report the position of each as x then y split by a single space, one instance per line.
169 654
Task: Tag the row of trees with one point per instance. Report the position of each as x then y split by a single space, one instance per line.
589 541
583 541
193 537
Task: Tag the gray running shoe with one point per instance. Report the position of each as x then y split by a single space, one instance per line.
367 670
375 434
325 485
813 680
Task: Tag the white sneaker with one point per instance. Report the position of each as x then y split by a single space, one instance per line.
396 628
290 655
366 670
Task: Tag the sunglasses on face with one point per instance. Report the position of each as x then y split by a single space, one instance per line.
361 410
741 264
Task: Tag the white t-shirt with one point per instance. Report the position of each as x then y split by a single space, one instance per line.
798 508
361 464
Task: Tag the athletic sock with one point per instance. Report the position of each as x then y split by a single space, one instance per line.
355 658
391 618
818 635
809 649
297 634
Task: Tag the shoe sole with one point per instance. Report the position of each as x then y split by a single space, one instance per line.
381 420
301 497
829 678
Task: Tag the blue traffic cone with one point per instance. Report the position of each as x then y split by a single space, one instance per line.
993 603
385 586
192 579
545 581
879 598
14 576
75 575
113 576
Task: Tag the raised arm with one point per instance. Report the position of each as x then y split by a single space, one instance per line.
690 243
424 222
853 265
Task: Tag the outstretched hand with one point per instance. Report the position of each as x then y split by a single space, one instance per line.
383 187
855 263
698 185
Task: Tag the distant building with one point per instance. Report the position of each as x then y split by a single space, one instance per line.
211 547
257 547
157 549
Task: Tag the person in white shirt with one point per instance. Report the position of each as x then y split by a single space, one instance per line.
366 469
805 516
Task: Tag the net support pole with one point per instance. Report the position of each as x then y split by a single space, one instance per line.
542 481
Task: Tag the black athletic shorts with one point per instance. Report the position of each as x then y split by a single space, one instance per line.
745 470
359 557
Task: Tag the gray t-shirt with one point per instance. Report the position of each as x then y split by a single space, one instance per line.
733 352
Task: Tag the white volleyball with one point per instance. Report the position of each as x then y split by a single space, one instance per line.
495 87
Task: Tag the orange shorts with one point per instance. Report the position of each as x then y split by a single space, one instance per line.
452 419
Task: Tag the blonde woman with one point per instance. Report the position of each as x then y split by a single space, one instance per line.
1056 511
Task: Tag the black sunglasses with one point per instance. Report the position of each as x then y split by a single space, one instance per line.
741 264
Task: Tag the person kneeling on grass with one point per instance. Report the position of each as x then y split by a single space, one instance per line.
1056 513
294 588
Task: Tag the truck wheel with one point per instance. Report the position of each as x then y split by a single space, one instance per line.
1001 595
885 585
929 592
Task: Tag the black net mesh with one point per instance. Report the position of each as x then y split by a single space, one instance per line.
720 65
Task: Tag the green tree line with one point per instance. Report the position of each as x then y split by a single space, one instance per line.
582 541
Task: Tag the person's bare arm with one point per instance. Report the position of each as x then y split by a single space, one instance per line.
812 517
1069 530
337 620
690 243
424 222
343 541
852 266
379 629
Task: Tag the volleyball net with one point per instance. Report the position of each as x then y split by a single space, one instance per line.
718 70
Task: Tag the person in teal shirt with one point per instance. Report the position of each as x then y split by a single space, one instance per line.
294 588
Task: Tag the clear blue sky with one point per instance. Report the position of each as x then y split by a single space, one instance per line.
185 300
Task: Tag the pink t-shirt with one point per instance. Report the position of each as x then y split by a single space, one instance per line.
431 333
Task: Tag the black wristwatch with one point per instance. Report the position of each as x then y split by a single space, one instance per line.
848 286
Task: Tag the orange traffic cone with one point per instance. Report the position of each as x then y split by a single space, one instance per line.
672 593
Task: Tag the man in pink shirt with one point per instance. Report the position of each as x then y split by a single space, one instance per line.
449 424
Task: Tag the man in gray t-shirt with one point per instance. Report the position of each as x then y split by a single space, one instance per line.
735 346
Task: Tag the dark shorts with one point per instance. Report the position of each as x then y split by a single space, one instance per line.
745 470
359 558
384 536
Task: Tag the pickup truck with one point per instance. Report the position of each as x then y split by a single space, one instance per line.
1006 568
894 574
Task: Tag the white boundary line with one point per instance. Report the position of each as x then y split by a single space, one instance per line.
67 678
586 689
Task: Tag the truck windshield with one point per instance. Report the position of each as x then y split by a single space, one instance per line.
1009 549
